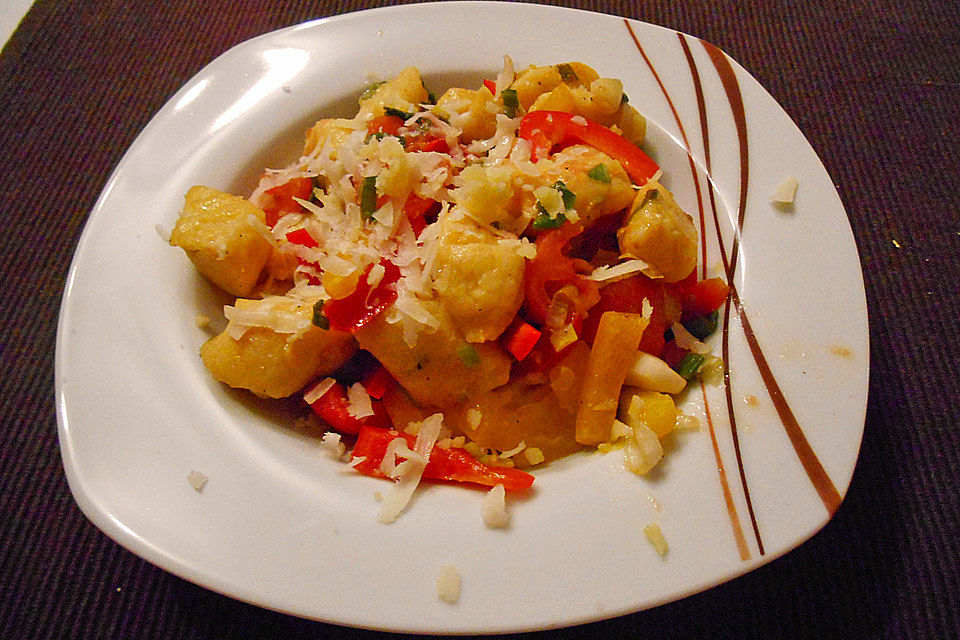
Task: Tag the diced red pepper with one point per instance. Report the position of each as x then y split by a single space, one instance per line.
377 381
454 464
547 129
333 408
491 86
280 199
627 295
705 296
418 209
302 237
365 303
551 270
426 143
520 338
389 125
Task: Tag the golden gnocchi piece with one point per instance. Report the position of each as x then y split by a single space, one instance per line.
225 237
473 112
274 364
404 92
660 233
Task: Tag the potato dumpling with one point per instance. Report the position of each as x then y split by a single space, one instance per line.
660 233
535 81
541 415
404 92
473 112
595 198
225 237
478 280
272 364
493 195
441 369
330 132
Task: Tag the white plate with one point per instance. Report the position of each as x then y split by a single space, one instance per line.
284 527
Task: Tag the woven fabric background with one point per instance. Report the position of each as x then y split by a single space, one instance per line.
874 85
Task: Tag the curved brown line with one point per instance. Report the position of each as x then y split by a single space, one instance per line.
734 518
807 456
729 268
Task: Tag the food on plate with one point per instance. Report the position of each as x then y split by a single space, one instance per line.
468 286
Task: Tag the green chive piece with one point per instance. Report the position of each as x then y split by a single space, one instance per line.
567 74
370 90
690 365
544 221
600 173
368 197
510 102
568 196
624 99
390 111
468 356
320 320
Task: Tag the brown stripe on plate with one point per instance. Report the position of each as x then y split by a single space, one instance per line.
738 535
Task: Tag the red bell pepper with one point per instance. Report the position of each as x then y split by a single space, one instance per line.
377 381
418 209
551 270
454 464
547 129
280 199
389 125
302 237
491 86
627 295
520 338
333 408
365 303
705 296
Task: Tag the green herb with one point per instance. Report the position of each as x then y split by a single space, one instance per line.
600 173
370 90
368 197
702 326
320 320
468 356
377 135
567 74
568 196
624 99
544 221
510 102
390 111
690 365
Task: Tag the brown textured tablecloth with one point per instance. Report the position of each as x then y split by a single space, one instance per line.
874 86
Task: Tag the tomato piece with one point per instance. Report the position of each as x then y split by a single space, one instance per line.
302 237
551 270
280 199
389 125
365 303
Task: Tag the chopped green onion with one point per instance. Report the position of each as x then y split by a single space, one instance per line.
600 173
370 90
390 111
368 197
703 325
624 99
690 365
567 74
468 356
320 320
568 196
544 221
510 102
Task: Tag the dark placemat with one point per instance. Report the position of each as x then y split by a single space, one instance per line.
874 86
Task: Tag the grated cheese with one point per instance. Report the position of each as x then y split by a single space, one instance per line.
449 584
493 508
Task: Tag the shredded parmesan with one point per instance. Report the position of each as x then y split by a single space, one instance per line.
655 537
493 508
449 584
619 271
410 470
316 391
786 191
197 480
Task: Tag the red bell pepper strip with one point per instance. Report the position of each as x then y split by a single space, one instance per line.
377 382
520 338
491 86
302 237
546 129
280 199
550 270
365 303
454 464
390 125
333 408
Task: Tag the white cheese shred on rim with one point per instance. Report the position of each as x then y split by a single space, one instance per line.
786 191
449 584
318 390
686 340
493 508
409 472
197 480
655 536
332 445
